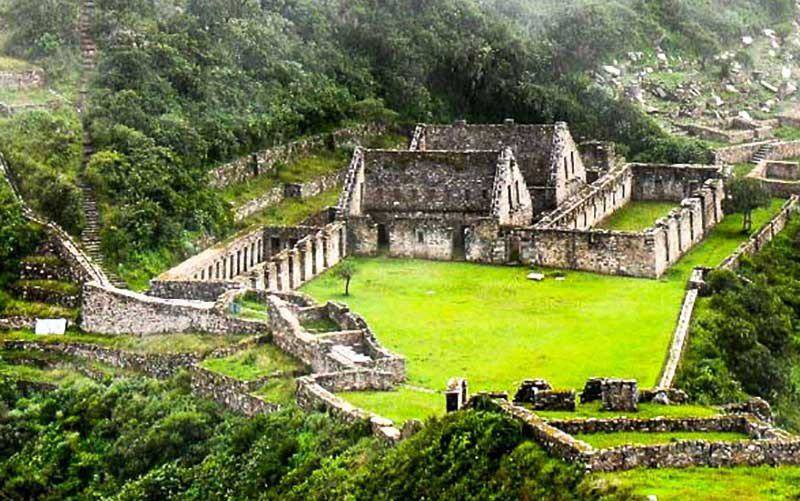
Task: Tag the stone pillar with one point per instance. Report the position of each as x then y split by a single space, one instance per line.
319 242
456 394
272 276
333 247
297 269
283 273
308 258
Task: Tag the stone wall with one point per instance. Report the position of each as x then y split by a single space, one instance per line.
229 392
679 338
670 183
565 238
279 194
786 171
599 157
273 258
22 80
720 135
511 199
17 323
761 238
604 197
107 310
737 154
767 445
266 161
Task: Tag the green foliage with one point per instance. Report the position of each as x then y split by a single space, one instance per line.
744 196
43 149
17 236
138 439
745 337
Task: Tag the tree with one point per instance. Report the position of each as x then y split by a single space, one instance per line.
745 196
346 271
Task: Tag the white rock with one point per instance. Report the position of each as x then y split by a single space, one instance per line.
730 88
786 73
744 115
45 327
768 32
662 57
560 279
612 70
536 277
775 44
716 100
768 86
747 40
772 53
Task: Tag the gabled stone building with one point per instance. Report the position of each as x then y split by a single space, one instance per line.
547 154
433 204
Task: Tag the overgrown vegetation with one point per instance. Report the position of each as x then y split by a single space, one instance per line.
744 340
138 439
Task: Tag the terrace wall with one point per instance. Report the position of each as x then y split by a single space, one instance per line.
280 193
22 80
107 310
266 161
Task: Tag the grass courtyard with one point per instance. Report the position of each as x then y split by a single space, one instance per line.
637 216
496 328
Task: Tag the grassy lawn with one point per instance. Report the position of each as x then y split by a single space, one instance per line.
743 169
494 327
611 440
12 64
637 216
278 391
253 363
712 484
252 309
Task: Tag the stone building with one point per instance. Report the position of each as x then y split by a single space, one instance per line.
433 204
547 154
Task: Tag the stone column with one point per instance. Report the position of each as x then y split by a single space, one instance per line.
297 267
321 261
283 273
308 258
271 276
332 239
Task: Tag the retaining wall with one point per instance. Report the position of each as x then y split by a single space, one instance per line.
266 161
107 310
280 193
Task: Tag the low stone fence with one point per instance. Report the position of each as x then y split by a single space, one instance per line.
679 337
266 161
767 446
229 392
17 323
22 80
107 310
155 365
316 393
39 294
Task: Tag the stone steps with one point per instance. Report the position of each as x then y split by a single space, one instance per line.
762 154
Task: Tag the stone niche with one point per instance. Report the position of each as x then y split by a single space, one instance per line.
620 395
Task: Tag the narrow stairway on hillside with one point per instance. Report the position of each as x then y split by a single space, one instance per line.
90 237
762 154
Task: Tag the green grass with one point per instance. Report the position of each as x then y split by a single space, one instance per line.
292 211
35 374
279 391
787 133
51 285
12 64
743 169
254 363
496 328
19 308
300 171
646 411
321 326
253 310
400 405
637 216
712 484
611 440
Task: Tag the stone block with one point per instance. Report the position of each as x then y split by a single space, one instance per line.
620 395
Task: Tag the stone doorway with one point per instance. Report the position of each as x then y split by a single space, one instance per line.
383 238
460 243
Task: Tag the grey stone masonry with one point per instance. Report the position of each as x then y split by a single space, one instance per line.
620 395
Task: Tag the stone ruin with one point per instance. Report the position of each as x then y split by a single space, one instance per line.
456 395
615 394
522 194
538 394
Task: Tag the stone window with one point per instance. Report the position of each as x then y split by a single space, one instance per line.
510 202
566 168
420 236
572 161
485 194
519 201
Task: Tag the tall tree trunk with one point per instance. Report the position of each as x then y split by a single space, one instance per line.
347 287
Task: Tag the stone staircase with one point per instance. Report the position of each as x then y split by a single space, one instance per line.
90 237
762 154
